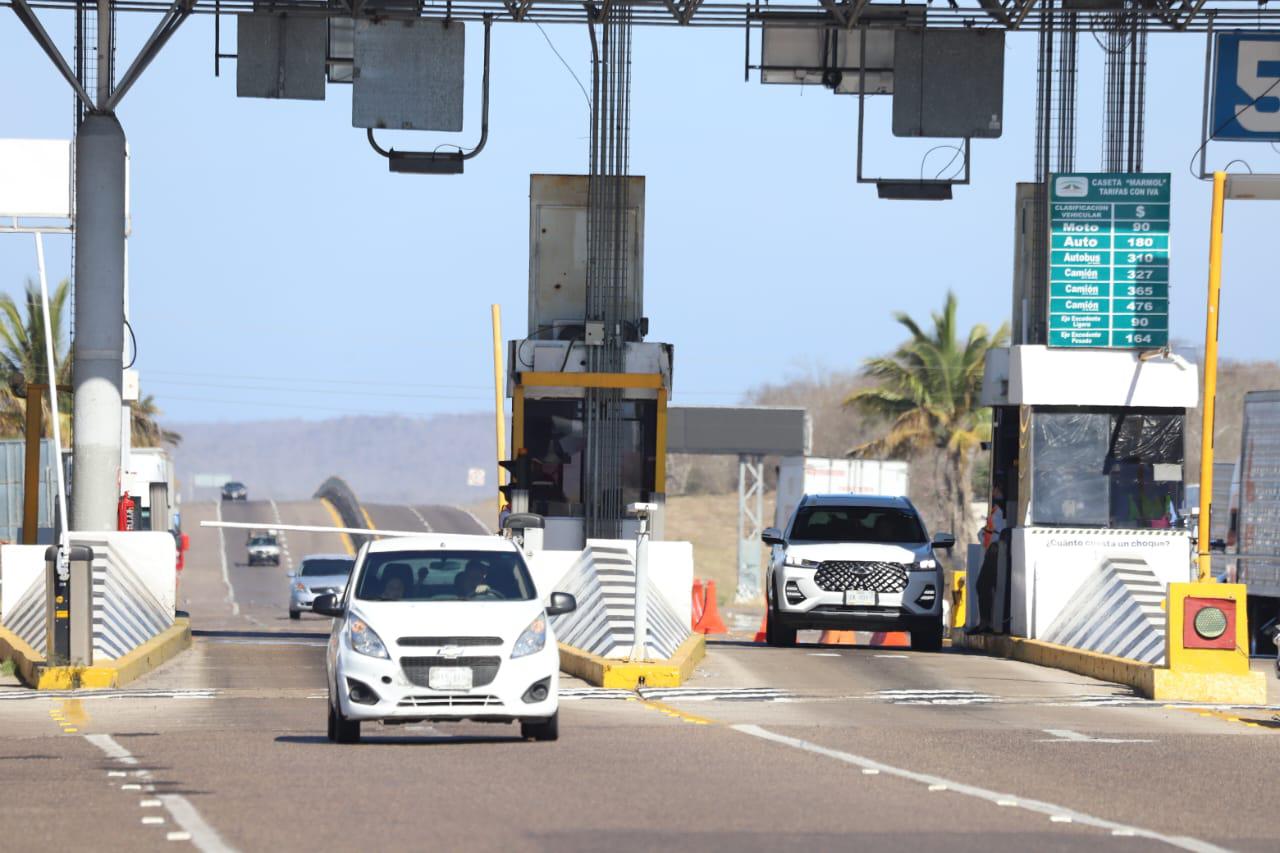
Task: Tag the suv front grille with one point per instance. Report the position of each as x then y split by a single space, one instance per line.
483 669
841 575
449 701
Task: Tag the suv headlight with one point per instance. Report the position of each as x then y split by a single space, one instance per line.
533 639
300 586
924 565
362 639
800 563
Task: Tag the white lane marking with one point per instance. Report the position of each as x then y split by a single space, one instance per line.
1180 841
178 836
284 540
418 515
483 527
150 804
153 820
1068 736
824 654
201 834
894 657
222 555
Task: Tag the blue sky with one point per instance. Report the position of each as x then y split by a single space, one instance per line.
279 270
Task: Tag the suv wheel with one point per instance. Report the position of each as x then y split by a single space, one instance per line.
775 633
927 639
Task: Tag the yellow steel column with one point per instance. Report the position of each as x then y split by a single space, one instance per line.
31 470
498 408
1210 373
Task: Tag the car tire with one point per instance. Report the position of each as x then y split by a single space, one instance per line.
927 639
548 729
342 730
294 614
775 633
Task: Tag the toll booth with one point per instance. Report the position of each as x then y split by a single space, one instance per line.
588 398
1087 461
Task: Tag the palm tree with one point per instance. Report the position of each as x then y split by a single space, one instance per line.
146 430
928 392
23 357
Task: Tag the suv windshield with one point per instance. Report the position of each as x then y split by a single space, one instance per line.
856 524
262 540
445 576
326 567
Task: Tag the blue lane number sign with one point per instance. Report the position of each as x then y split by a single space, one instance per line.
1246 87
1109 260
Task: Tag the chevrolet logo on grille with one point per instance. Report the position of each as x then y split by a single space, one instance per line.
451 652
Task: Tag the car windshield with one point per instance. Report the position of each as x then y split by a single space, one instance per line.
326 567
856 524
445 576
231 487
262 540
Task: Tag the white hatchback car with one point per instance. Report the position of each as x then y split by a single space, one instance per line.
442 627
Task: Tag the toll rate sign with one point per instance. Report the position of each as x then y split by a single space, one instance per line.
1109 260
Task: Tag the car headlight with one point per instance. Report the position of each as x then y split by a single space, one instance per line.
300 587
533 639
924 565
800 563
362 639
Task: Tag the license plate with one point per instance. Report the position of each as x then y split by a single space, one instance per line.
449 678
860 597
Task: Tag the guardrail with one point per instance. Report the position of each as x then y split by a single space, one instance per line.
336 491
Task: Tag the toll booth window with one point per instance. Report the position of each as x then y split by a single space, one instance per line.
555 440
1110 468
1070 485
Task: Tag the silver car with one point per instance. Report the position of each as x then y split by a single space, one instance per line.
319 574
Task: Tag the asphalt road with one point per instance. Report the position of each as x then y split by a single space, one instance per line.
808 748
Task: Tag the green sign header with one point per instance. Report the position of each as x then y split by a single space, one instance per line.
1109 260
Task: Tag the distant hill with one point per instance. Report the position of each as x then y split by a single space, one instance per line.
385 459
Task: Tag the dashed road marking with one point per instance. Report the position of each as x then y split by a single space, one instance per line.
1069 736
195 829
425 526
284 539
573 694
934 697
1179 841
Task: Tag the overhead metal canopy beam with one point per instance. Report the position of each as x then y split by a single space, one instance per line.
1190 16
178 12
38 32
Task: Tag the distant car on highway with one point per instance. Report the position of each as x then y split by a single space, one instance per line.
318 574
235 491
264 549
442 627
855 562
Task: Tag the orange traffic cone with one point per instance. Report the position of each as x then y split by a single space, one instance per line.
710 621
699 602
762 635
890 639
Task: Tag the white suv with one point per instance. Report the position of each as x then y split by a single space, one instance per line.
855 562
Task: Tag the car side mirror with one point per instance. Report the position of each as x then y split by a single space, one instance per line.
772 536
945 541
327 605
561 603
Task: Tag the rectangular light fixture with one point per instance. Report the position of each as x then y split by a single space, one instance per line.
1260 187
914 190
444 163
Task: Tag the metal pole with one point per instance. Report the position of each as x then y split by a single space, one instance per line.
499 420
640 646
1210 374
99 320
31 466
